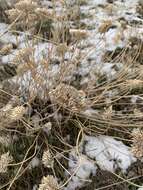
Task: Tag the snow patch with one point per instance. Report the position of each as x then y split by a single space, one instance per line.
140 188
109 153
81 167
34 163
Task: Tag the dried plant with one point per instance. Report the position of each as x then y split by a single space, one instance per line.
105 26
78 34
47 159
137 146
6 49
68 96
63 78
48 183
16 113
5 160
9 115
23 56
24 14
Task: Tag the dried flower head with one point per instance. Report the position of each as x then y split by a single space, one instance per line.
69 97
16 113
22 68
137 146
44 13
23 14
134 84
9 115
108 113
13 14
23 55
105 26
6 49
78 34
47 159
61 49
26 5
5 159
48 183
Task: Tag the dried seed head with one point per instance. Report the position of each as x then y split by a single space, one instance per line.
109 8
70 97
108 113
78 34
26 5
137 146
48 183
13 14
5 159
134 84
105 26
6 49
61 49
47 159
43 13
16 113
23 55
10 115
22 68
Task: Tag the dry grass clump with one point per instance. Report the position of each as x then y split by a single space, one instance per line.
27 14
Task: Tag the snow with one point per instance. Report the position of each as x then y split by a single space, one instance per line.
98 2
104 151
140 188
35 187
7 37
90 112
110 39
80 168
34 163
134 99
109 153
47 127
